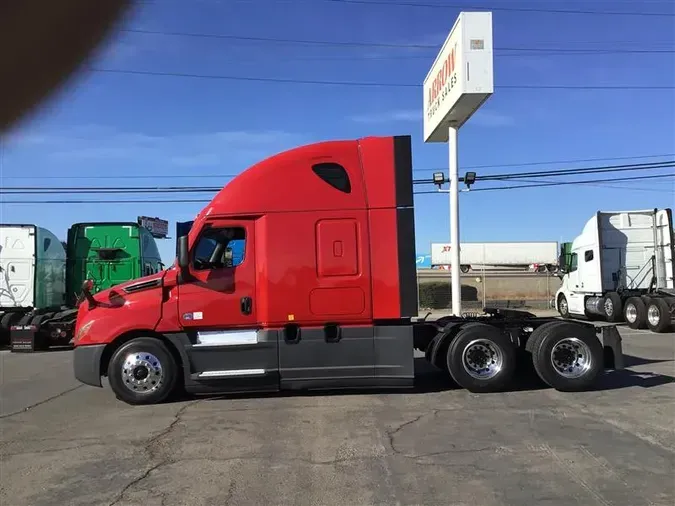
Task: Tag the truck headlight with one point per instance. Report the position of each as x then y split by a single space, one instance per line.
82 330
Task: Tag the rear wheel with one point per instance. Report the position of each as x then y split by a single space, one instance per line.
658 315
635 313
481 359
142 371
568 356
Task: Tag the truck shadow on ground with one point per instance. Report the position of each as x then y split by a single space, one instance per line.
429 379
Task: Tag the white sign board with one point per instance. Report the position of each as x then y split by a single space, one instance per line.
461 78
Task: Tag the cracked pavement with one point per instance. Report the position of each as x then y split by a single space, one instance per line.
63 444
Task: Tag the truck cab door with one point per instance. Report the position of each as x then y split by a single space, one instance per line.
575 297
217 309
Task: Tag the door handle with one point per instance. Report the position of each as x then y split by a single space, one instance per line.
246 304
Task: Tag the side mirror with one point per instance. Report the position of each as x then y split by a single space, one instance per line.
87 287
183 256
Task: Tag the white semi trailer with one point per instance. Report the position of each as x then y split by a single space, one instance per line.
621 268
539 255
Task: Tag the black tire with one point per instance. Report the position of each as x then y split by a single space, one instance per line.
9 319
635 313
464 268
564 337
658 308
537 335
563 306
481 342
447 335
612 307
146 357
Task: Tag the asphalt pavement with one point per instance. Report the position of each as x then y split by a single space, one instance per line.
66 444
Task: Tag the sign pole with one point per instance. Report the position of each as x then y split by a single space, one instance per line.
457 85
453 173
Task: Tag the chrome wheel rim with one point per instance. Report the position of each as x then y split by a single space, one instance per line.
631 313
563 306
571 357
482 359
609 307
654 315
142 372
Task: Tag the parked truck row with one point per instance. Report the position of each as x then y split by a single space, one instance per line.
322 294
620 268
41 276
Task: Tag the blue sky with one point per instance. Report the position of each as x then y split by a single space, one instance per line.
175 130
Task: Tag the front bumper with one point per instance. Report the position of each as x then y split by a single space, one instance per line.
87 364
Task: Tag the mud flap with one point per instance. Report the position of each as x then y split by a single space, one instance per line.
613 350
26 339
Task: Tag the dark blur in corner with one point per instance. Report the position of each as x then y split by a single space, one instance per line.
42 43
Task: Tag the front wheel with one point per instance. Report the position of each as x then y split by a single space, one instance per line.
481 359
568 357
563 307
612 307
142 371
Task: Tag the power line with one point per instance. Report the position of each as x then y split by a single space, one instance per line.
358 83
602 185
563 183
498 8
428 5
560 183
578 160
228 176
421 57
32 190
203 201
589 170
316 42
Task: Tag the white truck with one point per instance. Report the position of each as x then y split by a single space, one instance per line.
539 256
621 268
32 276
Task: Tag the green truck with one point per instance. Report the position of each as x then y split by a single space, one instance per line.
565 256
41 277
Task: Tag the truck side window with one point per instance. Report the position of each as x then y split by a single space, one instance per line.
573 262
219 248
334 174
588 255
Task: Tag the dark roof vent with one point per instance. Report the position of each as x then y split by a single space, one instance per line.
333 174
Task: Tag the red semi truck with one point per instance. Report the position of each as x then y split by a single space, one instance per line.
324 295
